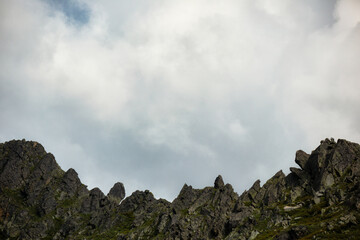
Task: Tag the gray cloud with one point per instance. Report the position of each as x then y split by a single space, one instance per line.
159 94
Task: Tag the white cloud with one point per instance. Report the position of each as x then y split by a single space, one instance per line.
205 86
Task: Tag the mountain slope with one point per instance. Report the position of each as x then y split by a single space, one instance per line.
319 200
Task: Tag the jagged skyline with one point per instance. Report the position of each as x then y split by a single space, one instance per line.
319 199
155 94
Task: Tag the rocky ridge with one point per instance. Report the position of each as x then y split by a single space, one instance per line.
318 200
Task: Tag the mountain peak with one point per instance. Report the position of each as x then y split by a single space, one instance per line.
117 192
219 183
319 200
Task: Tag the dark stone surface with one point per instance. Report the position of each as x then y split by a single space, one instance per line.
219 183
38 200
301 158
117 192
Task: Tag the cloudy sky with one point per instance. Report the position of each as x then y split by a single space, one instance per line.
160 93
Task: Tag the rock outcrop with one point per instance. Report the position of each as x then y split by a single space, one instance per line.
318 200
117 192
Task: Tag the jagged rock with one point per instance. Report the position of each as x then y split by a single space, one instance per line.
117 192
71 182
328 180
301 158
296 192
254 194
304 176
345 154
138 199
40 201
48 203
93 201
274 188
219 183
185 198
256 185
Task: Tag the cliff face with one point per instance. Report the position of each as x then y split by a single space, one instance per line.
319 200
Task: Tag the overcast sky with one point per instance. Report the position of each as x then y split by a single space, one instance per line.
160 93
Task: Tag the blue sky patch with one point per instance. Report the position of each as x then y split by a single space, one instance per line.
76 12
